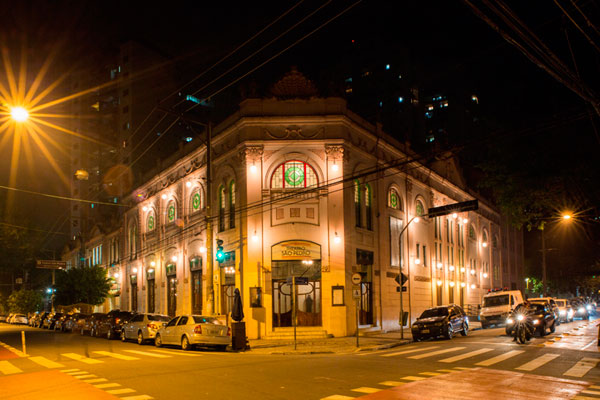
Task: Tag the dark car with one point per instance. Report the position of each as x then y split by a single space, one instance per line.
111 326
40 321
440 321
540 316
91 323
74 322
50 321
579 309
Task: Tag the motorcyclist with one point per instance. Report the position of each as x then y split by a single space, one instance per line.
522 308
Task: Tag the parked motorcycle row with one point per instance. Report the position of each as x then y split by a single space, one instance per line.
186 331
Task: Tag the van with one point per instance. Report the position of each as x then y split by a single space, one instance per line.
497 304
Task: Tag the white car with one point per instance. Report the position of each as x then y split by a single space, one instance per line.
188 331
565 311
143 327
19 319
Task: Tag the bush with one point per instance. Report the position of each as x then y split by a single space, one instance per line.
25 301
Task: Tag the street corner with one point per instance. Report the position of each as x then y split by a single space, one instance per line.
477 383
49 385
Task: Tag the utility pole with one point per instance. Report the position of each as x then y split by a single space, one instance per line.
544 287
210 303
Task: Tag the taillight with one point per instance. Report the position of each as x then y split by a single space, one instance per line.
152 326
198 329
228 331
117 320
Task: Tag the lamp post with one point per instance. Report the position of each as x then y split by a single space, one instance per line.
416 219
565 217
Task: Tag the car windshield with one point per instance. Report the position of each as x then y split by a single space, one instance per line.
206 320
161 318
494 301
434 312
537 308
560 303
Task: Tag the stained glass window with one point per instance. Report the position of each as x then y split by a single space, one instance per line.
221 208
294 174
471 232
150 222
357 206
171 214
232 205
394 200
196 201
419 208
368 209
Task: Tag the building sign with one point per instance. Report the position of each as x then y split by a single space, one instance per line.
50 264
296 250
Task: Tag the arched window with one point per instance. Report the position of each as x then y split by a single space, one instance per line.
221 208
171 212
294 175
472 232
484 238
394 200
357 196
232 205
495 241
150 221
132 238
368 206
419 208
197 200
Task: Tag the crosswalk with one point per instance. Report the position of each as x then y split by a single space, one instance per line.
519 360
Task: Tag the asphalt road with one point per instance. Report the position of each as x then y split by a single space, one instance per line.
133 372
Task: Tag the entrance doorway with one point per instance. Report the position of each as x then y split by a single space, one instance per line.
151 292
196 292
171 295
364 261
308 297
451 295
134 296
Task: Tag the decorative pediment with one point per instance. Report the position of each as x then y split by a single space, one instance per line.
294 85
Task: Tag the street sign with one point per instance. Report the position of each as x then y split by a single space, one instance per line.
51 264
355 293
401 278
404 289
300 280
450 208
356 279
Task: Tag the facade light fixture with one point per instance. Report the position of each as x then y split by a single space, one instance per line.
144 208
417 261
253 168
202 249
485 275
151 270
462 284
451 284
465 220
484 244
134 270
174 258
440 265
462 269
255 237
164 197
439 282
188 184
472 286
334 167
416 220
152 263
337 239
116 275
451 268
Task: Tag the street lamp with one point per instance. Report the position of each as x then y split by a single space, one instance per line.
565 217
19 114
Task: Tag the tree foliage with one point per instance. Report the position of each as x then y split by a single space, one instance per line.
88 285
25 301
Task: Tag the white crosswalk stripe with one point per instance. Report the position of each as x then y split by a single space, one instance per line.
398 353
501 357
582 367
116 355
7 368
146 353
465 355
78 357
538 362
44 362
435 353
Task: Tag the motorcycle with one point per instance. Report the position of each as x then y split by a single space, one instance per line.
523 328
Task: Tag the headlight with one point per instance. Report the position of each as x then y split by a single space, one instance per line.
535 321
510 321
520 317
581 310
570 312
563 312
588 307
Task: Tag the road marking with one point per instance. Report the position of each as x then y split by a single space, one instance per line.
582 367
141 397
44 362
86 376
107 385
7 368
391 383
97 380
435 353
584 398
120 391
538 362
431 373
77 373
69 370
594 387
593 342
81 358
501 357
145 353
591 392
332 397
179 353
115 355
466 355
12 349
366 390
408 351
463 368
446 370
413 378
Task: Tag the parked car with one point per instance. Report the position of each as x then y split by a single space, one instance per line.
541 316
90 324
188 331
3 317
59 324
43 316
550 304
440 321
565 311
143 327
110 327
9 318
20 319
579 309
74 322
50 321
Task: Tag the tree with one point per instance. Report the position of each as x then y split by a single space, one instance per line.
25 301
88 285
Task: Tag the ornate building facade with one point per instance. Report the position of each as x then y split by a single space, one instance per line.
306 195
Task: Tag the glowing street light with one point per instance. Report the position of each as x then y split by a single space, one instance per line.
19 114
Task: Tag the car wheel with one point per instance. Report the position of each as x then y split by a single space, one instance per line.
465 329
123 338
508 332
185 344
140 338
416 338
222 347
158 341
449 332
543 330
553 328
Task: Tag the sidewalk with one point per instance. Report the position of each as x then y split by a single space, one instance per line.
341 345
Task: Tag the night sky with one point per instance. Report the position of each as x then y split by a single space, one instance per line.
441 43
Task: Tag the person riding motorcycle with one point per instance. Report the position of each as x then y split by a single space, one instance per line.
523 309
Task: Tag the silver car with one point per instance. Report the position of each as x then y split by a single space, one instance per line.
143 327
188 331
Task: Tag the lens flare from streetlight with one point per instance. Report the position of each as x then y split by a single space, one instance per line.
19 114
566 217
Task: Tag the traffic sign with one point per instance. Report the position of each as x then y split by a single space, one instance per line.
404 289
356 279
401 278
51 264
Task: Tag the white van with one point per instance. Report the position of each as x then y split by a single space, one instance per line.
497 304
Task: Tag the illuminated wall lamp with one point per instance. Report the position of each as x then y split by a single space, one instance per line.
440 265
416 220
152 263
465 220
485 275
451 284
472 272
144 208
188 184
484 244
472 286
454 215
451 268
462 284
164 197
116 275
174 258
417 261
253 168
334 167
202 249
255 237
439 282
462 269
337 239
134 270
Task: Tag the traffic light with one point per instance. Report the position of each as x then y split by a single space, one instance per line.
220 253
